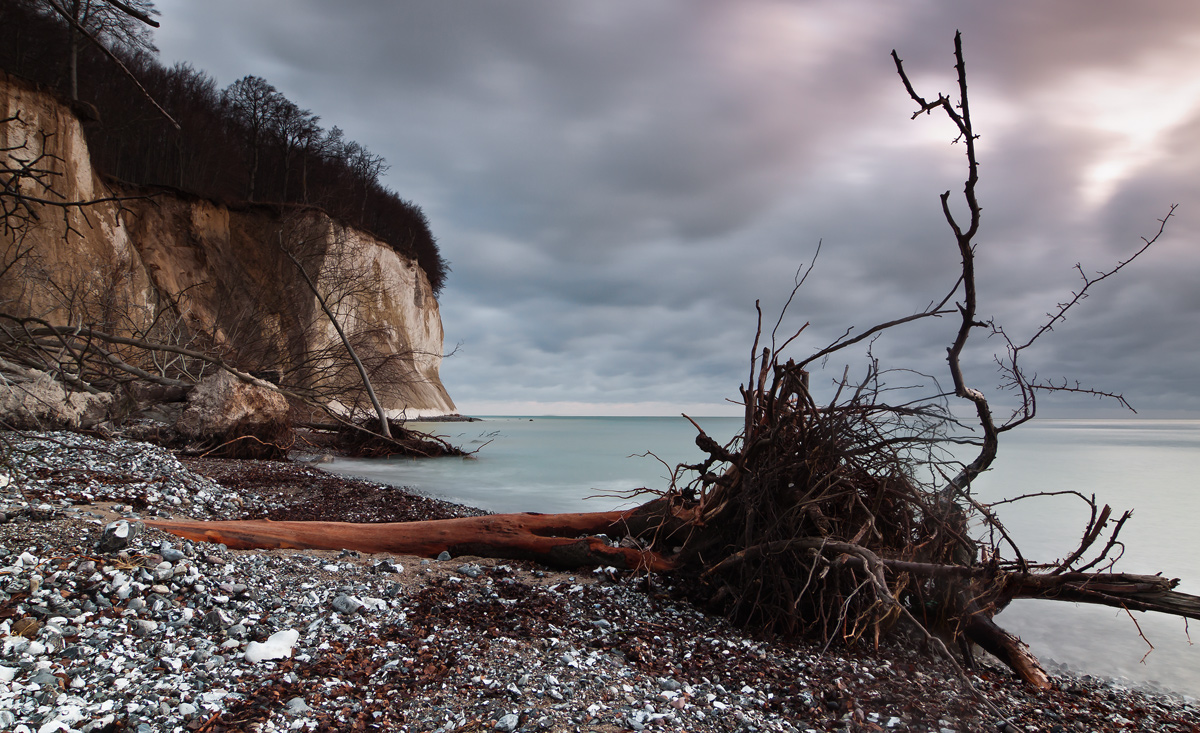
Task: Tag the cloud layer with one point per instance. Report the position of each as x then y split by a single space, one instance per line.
616 182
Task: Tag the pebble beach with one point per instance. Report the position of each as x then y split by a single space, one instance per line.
108 625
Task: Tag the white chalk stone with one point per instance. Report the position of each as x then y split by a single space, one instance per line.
277 646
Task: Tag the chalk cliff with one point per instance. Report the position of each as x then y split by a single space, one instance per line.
163 263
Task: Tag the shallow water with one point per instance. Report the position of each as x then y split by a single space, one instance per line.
1150 466
551 464
548 464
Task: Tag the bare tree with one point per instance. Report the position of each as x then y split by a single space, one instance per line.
334 321
298 132
257 106
117 22
367 168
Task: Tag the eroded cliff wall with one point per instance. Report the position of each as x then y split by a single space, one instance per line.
191 268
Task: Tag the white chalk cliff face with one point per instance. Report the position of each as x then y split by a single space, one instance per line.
187 266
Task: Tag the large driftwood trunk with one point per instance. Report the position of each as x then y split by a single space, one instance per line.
592 538
558 540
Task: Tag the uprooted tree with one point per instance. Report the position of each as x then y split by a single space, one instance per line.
835 521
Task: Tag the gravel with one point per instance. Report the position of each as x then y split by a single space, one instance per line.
157 634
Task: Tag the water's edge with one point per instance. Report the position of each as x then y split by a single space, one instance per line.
550 464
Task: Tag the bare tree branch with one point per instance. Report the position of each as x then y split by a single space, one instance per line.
384 429
113 57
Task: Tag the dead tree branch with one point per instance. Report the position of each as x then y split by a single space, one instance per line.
384 429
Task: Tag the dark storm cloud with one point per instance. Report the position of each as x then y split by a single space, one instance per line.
615 183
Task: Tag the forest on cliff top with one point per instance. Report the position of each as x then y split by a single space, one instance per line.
246 144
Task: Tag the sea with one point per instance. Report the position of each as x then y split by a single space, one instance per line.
564 464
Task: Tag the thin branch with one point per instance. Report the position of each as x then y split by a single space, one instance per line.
384 428
1076 297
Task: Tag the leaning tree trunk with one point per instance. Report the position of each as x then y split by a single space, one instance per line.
589 539
384 427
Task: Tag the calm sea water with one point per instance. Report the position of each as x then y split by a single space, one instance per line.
550 464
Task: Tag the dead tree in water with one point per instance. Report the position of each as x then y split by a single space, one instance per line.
833 521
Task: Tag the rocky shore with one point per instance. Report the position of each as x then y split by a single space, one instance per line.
108 626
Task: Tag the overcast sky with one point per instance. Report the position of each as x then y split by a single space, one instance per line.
615 182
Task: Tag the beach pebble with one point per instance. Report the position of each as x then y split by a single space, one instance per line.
117 535
297 706
278 646
346 604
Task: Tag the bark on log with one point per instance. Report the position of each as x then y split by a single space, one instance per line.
559 540
1119 590
570 541
1009 649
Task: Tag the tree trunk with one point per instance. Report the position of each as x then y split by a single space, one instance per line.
558 540
1118 590
73 43
571 541
1008 649
574 540
384 428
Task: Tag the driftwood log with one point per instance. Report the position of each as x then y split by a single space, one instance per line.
558 540
571 541
589 539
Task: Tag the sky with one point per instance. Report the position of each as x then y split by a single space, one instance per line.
615 183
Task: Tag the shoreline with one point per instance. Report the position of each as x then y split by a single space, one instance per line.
418 644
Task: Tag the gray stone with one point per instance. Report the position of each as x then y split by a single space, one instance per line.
347 604
35 400
76 651
117 535
508 723
144 627
297 706
216 619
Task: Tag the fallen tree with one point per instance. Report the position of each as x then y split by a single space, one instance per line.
833 521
